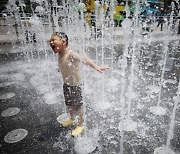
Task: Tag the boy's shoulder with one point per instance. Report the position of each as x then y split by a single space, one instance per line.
73 53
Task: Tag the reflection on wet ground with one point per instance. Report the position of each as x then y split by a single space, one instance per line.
32 77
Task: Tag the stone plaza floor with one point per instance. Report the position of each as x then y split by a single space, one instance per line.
32 86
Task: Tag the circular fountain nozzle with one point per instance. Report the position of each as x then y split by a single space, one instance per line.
84 145
163 150
151 73
127 125
7 95
157 110
10 112
5 84
51 98
153 89
63 117
101 106
15 135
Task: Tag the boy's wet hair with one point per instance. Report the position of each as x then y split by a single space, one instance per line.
62 36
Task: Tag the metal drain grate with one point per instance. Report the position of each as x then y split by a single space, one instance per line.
15 135
7 95
10 112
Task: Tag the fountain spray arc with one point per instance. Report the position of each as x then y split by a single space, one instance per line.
127 124
84 143
103 40
81 42
104 50
166 149
158 110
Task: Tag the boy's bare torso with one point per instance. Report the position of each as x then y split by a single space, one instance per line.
70 69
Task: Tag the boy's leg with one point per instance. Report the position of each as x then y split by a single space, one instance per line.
72 112
79 129
80 114
69 121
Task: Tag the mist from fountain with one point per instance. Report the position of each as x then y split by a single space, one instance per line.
167 149
158 109
127 124
87 41
171 129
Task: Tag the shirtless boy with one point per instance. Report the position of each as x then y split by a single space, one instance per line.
69 65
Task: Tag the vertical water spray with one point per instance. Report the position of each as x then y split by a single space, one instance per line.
85 143
125 124
101 103
13 21
122 97
128 124
167 149
159 110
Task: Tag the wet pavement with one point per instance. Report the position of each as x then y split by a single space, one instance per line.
40 122
33 77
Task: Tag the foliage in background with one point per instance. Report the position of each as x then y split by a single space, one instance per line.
28 4
3 4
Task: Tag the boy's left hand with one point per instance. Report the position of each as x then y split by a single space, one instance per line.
102 69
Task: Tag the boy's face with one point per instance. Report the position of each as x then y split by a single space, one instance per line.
56 43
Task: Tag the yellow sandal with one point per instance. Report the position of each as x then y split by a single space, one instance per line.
78 130
67 123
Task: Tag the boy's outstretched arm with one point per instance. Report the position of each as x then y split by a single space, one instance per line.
94 65
75 56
